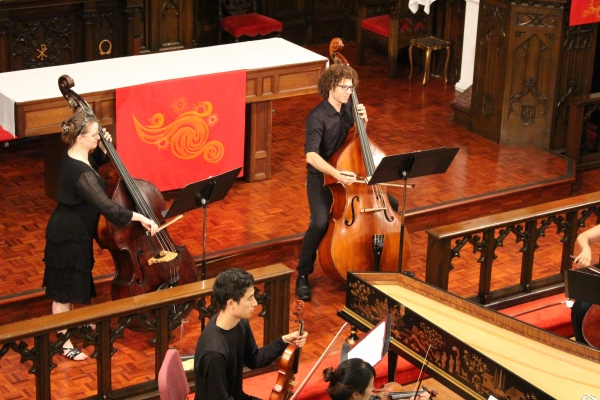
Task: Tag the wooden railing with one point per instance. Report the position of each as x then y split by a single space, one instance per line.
485 235
149 313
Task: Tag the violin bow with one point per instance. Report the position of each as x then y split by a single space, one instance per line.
312 371
425 364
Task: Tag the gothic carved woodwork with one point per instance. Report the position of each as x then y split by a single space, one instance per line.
46 33
526 60
575 80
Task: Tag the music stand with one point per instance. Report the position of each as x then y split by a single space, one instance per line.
582 284
201 194
415 164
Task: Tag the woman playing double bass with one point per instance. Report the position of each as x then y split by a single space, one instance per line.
68 254
327 126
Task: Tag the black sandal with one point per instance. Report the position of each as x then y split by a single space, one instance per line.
71 353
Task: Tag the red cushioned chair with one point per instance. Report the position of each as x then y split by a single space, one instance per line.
240 18
172 381
392 25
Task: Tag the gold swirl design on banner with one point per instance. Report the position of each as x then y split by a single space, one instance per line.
187 136
593 11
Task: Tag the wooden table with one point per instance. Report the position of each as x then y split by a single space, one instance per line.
275 69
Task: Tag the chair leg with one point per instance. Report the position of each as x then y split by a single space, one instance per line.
392 59
447 64
411 62
427 66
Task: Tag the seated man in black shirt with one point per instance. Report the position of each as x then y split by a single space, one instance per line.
227 344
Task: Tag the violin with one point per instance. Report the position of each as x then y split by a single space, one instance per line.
289 362
394 390
143 263
364 234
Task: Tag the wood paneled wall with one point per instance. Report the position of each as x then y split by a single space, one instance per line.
41 33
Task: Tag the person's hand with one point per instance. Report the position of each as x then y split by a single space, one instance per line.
584 259
150 225
295 338
346 177
362 111
107 136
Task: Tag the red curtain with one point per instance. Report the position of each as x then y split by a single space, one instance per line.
180 131
584 12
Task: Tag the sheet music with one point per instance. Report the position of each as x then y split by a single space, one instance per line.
370 348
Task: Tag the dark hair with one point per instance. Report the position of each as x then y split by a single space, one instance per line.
333 75
75 126
350 376
231 284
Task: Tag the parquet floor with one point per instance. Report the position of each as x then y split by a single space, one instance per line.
403 117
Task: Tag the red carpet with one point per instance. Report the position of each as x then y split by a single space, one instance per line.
547 313
261 386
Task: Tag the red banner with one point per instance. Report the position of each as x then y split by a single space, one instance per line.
584 12
5 135
181 131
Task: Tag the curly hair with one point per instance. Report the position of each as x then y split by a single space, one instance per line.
351 376
75 126
231 284
333 75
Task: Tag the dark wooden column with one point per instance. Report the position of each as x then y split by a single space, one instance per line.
525 57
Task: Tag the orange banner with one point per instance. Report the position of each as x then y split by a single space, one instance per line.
584 12
181 131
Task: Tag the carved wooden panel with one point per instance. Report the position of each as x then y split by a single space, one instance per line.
489 69
449 24
46 33
170 24
527 63
296 16
530 90
577 55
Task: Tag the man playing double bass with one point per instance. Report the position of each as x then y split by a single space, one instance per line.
326 128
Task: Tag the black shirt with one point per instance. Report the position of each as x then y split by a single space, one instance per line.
326 130
220 358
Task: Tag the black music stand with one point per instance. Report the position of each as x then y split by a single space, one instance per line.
582 284
201 194
415 164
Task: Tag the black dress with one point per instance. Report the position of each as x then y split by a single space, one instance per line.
69 255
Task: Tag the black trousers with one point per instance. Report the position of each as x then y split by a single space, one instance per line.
319 203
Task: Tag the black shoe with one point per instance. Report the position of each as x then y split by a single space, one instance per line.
302 288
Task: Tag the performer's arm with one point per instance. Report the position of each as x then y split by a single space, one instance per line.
584 240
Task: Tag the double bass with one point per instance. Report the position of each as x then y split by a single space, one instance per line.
364 231
143 263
